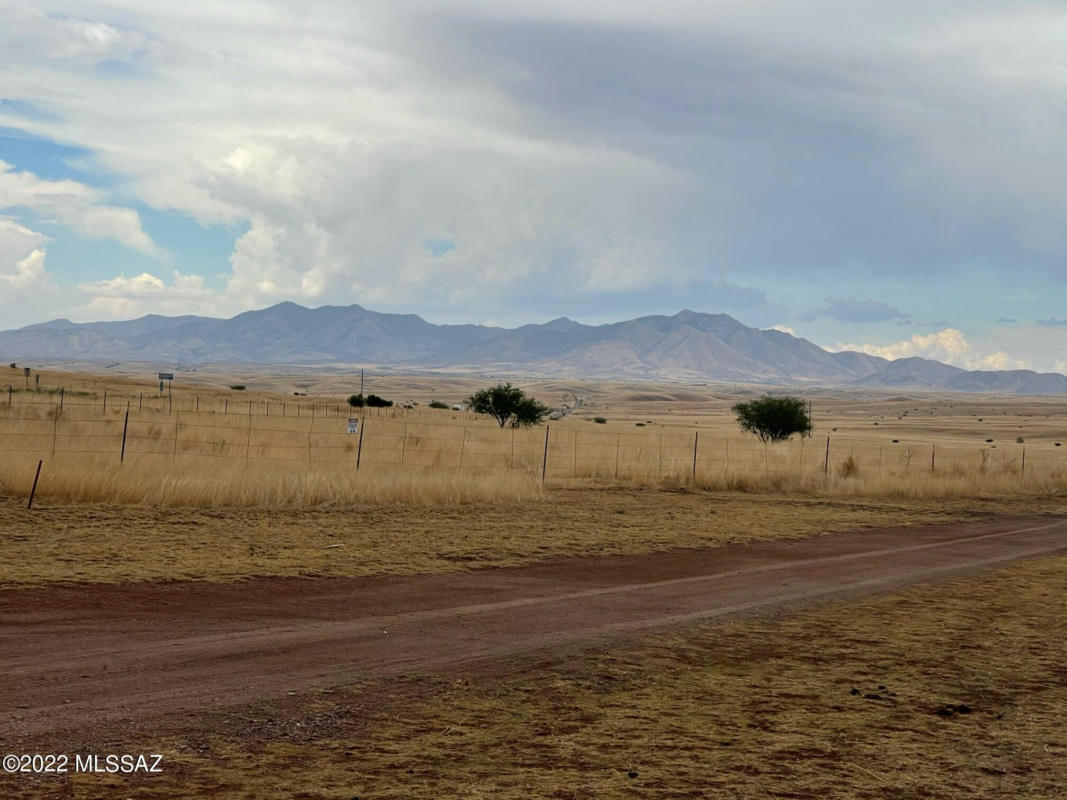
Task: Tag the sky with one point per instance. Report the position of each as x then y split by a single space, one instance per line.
878 176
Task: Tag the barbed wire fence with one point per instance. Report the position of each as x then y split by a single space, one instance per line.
316 433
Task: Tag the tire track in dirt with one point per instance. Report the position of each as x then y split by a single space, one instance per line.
80 659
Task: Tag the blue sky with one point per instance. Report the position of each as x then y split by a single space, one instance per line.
863 174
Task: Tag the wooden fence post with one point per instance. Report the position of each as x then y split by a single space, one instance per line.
62 392
933 455
826 460
105 402
696 440
359 447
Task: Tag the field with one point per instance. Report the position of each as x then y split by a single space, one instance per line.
122 439
948 689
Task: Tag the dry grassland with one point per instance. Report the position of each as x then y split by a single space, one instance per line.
203 447
62 542
942 691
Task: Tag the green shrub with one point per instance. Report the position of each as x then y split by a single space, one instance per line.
438 404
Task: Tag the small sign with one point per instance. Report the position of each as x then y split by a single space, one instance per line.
353 425
166 376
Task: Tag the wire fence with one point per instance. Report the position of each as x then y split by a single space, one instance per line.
320 434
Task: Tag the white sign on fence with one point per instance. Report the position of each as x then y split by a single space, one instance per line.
353 425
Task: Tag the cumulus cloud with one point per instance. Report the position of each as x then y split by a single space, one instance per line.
120 297
591 147
783 329
22 257
75 205
949 346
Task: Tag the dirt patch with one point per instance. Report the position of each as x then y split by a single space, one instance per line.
104 658
845 699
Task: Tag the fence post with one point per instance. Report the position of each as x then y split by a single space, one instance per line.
359 447
9 394
463 446
170 402
33 491
248 440
62 391
125 425
404 445
544 460
933 454
177 420
55 428
1022 470
105 402
198 404
311 425
140 400
696 440
618 442
826 460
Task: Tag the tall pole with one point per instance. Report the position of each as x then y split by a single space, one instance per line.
360 381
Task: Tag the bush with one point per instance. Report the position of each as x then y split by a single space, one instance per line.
438 404
1019 440
774 419
372 400
600 420
238 387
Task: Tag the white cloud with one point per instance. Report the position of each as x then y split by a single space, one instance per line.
949 346
783 329
566 151
75 205
121 297
22 258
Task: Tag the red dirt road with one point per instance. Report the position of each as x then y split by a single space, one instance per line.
79 661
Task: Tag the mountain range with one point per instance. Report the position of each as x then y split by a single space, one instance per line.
686 346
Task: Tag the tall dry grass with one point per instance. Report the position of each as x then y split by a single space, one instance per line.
167 483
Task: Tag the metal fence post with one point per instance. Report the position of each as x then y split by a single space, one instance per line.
826 460
696 440
125 425
544 460
359 447
33 491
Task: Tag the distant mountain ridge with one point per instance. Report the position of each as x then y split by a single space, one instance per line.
688 345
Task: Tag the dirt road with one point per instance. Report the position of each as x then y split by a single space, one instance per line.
82 660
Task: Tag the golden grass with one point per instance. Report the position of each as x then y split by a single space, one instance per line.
839 701
76 542
160 483
881 445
